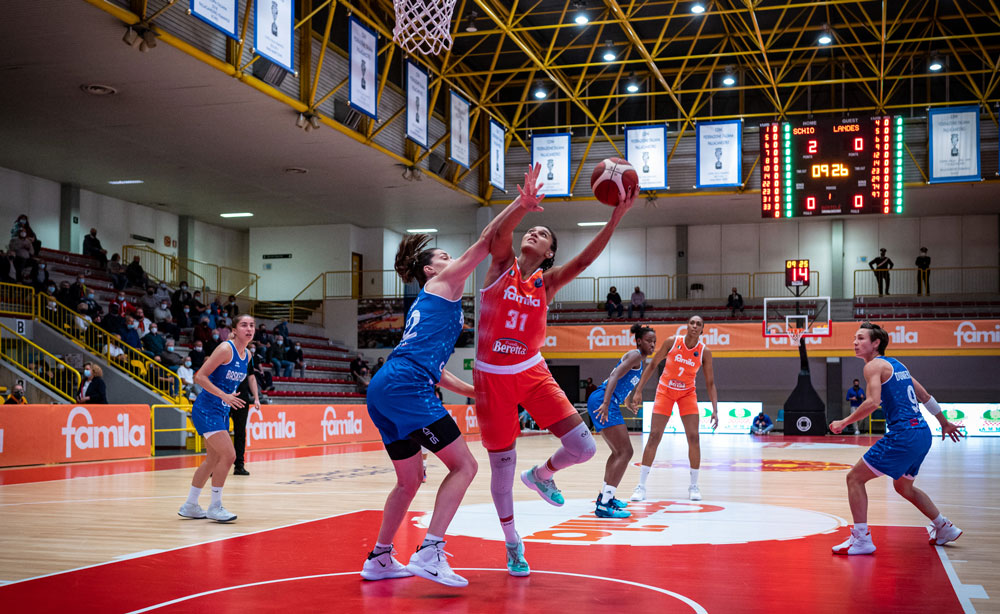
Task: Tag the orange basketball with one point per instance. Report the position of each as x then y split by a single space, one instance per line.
610 180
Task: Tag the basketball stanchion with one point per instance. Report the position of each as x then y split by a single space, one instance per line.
423 26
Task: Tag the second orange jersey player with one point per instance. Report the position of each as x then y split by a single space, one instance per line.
685 355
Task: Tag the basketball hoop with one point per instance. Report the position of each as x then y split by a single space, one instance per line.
423 26
795 334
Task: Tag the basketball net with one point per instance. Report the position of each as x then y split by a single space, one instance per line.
423 26
795 334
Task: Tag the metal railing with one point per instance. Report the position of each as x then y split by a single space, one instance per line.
110 348
17 300
44 367
163 267
939 280
223 280
711 285
187 428
655 287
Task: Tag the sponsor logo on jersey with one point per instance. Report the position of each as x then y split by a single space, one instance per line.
260 430
510 346
431 436
121 435
235 376
683 361
333 426
538 282
510 294
966 333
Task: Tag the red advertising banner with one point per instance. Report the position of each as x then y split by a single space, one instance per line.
907 337
280 426
39 434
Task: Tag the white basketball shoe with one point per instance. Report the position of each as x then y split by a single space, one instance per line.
942 535
383 566
639 494
858 543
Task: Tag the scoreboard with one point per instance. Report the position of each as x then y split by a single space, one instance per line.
831 167
797 273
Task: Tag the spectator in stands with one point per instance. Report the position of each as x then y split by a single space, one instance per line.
16 396
278 358
125 306
78 291
232 309
169 358
591 387
186 373
93 309
264 380
222 331
212 343
202 330
117 272
638 301
8 272
214 311
83 319
149 301
21 223
135 274
183 317
356 366
855 397
881 267
365 378
22 248
144 323
163 292
40 277
113 322
263 335
197 355
376 367
295 356
282 329
180 297
93 390
165 319
735 303
51 289
614 302
114 350
64 295
131 334
762 424
197 307
153 343
92 247
923 272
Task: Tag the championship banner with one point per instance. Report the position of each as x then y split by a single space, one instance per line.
220 14
272 31
43 434
646 150
459 129
734 418
497 162
552 151
363 65
954 144
416 104
719 150
975 419
908 337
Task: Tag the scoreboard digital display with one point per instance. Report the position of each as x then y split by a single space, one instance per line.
796 273
831 167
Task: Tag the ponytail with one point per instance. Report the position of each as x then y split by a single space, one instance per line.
411 258
639 331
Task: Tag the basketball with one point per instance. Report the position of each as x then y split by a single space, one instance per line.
610 180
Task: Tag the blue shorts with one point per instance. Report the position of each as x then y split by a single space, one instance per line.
900 453
401 400
614 413
209 414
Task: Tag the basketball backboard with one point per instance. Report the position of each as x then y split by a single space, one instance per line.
804 316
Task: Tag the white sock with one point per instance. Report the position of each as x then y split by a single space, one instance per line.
542 472
940 521
608 493
216 496
509 532
643 474
431 539
861 527
694 477
193 495
380 547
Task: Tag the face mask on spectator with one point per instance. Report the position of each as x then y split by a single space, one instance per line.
215 336
197 348
187 363
298 347
79 280
24 235
197 296
184 286
51 289
121 297
90 295
152 330
86 372
170 348
163 285
17 393
134 325
186 310
42 266
163 305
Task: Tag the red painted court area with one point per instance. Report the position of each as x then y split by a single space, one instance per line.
313 567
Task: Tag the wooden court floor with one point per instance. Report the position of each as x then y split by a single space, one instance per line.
105 537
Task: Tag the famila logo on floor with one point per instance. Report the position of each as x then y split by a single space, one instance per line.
279 429
121 435
333 426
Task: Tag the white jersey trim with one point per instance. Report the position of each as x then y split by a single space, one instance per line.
458 300
486 367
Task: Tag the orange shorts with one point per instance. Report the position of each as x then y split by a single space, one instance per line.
686 400
498 395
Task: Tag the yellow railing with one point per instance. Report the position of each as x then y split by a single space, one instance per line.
712 285
43 366
223 280
187 428
939 280
163 267
17 300
111 348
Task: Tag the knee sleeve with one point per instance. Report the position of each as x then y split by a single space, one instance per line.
503 465
578 446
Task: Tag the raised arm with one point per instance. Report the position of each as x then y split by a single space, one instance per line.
559 276
502 246
634 400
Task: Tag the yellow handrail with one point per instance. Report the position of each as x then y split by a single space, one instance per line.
163 267
943 280
115 352
43 366
188 425
245 281
17 300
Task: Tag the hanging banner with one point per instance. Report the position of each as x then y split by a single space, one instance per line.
552 151
459 129
363 55
497 164
220 14
416 104
954 144
719 153
646 150
273 32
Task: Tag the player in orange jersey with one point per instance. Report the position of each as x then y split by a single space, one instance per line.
510 369
685 356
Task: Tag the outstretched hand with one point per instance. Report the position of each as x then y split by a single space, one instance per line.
624 205
953 431
528 195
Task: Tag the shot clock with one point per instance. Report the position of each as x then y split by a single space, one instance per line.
796 273
832 167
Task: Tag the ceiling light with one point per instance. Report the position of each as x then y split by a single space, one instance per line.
632 86
131 36
301 121
824 39
125 181
296 170
148 41
729 79
416 230
314 121
98 89
609 53
581 18
472 22
540 92
697 8
591 223
408 173
936 63
243 214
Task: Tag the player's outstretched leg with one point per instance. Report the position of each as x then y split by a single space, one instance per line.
577 447
381 564
942 530
860 541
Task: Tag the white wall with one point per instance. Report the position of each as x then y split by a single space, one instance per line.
314 249
115 220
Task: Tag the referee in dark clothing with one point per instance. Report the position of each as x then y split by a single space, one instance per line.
239 417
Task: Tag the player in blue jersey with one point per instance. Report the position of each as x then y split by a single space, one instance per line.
902 450
219 377
407 412
603 405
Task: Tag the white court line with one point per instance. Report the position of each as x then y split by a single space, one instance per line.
694 605
229 495
964 592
